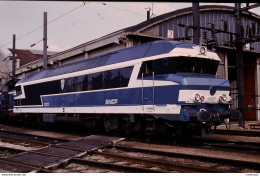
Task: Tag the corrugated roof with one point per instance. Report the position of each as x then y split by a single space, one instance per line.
139 51
181 12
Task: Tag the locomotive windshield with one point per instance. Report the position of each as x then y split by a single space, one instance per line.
179 65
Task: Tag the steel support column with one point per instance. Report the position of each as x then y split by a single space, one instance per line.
239 62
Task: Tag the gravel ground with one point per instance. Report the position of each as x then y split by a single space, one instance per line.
78 168
4 171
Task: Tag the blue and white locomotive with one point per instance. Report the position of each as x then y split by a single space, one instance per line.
157 86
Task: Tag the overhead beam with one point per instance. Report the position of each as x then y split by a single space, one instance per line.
250 7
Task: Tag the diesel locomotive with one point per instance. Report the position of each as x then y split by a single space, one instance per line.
160 86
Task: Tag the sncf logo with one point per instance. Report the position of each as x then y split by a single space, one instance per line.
111 101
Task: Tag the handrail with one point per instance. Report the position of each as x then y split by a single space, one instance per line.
143 90
153 91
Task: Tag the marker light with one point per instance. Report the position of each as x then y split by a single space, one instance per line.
222 98
202 98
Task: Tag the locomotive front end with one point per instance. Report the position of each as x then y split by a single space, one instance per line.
204 98
185 81
202 109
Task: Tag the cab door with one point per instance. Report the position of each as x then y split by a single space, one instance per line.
148 90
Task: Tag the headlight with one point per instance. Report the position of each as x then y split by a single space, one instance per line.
224 97
197 97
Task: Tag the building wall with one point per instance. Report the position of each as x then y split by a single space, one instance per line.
217 17
4 71
73 59
222 71
105 49
153 31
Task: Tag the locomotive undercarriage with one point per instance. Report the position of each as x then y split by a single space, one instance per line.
123 123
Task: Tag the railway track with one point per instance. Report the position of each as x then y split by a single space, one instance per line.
163 165
124 163
57 156
232 164
39 141
120 161
131 164
118 158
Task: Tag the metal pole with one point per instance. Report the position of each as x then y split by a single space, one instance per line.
13 59
196 23
45 59
239 63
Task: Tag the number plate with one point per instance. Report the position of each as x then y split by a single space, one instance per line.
211 100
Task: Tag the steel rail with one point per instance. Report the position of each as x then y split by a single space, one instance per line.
237 132
161 164
32 135
225 141
255 144
12 149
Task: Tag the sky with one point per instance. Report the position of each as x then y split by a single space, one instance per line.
74 23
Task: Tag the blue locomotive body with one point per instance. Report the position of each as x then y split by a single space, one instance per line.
159 85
